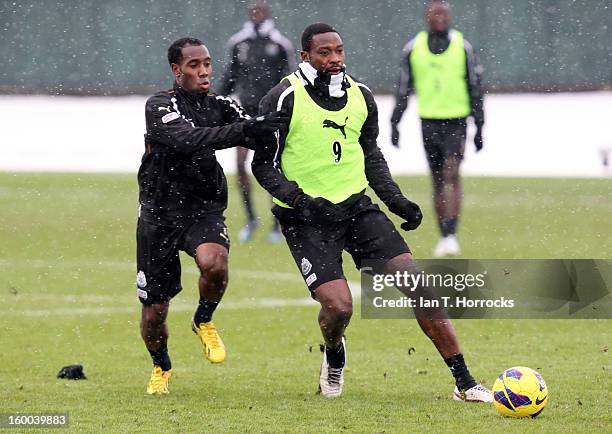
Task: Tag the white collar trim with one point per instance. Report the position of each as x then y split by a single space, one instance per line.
264 29
335 84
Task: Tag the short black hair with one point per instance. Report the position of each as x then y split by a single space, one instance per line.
314 29
175 51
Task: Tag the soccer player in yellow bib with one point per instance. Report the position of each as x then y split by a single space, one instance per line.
440 66
317 172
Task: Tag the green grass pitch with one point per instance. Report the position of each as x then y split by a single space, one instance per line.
67 295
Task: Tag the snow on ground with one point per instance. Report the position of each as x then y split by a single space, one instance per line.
561 135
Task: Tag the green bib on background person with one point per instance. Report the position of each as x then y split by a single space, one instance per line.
322 153
439 79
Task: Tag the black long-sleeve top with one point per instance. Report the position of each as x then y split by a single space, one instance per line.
258 58
179 176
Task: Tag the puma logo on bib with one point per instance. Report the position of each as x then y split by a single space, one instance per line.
331 124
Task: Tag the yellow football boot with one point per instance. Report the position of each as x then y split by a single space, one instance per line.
158 384
213 346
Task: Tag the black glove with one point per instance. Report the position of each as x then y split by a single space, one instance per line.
316 210
478 138
263 143
408 210
394 135
265 124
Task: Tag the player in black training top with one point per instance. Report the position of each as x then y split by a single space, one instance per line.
183 193
259 56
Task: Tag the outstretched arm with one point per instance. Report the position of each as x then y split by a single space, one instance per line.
167 126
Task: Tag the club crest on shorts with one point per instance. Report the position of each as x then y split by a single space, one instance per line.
306 266
311 279
141 279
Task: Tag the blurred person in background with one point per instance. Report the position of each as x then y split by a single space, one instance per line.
440 66
259 57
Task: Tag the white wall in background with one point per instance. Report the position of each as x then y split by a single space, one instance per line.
525 135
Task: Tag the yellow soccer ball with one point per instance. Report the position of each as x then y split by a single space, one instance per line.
520 392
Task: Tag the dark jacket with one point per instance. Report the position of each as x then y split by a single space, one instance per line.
179 176
266 164
258 58
437 44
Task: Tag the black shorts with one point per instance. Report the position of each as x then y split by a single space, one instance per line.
157 252
317 251
443 138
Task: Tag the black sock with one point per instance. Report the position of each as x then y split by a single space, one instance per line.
463 378
335 356
452 226
448 226
246 197
205 311
161 358
442 225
